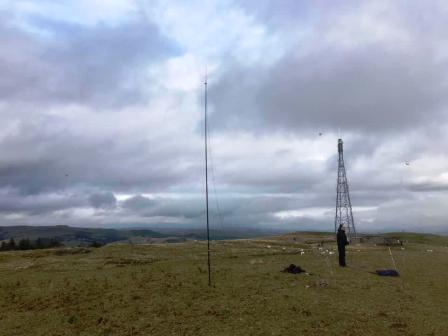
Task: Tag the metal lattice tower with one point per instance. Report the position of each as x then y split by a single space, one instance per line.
344 213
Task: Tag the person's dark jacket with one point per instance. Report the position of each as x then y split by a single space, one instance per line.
341 238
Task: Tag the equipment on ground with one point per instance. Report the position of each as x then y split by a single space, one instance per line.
387 272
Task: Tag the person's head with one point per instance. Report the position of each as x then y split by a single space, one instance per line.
342 227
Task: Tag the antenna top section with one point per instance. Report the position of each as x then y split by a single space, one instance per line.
340 146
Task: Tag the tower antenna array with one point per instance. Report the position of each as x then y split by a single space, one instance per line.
344 214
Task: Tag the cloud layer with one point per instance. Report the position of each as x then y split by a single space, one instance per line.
101 107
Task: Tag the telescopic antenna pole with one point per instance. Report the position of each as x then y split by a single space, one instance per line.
206 179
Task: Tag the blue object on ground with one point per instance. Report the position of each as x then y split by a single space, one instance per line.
387 272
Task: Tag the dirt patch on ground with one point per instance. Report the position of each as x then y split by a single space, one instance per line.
72 251
121 262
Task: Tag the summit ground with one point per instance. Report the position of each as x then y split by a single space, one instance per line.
162 289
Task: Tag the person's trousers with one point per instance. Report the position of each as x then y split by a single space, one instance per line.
341 250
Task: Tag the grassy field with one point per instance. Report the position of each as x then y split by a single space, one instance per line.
162 290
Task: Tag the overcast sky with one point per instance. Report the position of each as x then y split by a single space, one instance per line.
101 112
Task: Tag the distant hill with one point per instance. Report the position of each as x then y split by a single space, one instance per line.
223 234
73 236
420 238
76 236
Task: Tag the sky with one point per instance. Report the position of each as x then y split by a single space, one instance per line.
102 113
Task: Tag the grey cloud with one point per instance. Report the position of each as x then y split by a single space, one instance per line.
138 203
55 156
96 65
182 208
428 186
38 204
234 210
370 89
333 77
103 200
64 160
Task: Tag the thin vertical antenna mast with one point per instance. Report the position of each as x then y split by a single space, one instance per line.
206 178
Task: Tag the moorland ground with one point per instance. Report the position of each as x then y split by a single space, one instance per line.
162 289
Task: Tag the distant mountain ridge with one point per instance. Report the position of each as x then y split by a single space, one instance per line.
74 235
80 236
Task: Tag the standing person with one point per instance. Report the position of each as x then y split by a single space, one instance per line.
342 242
